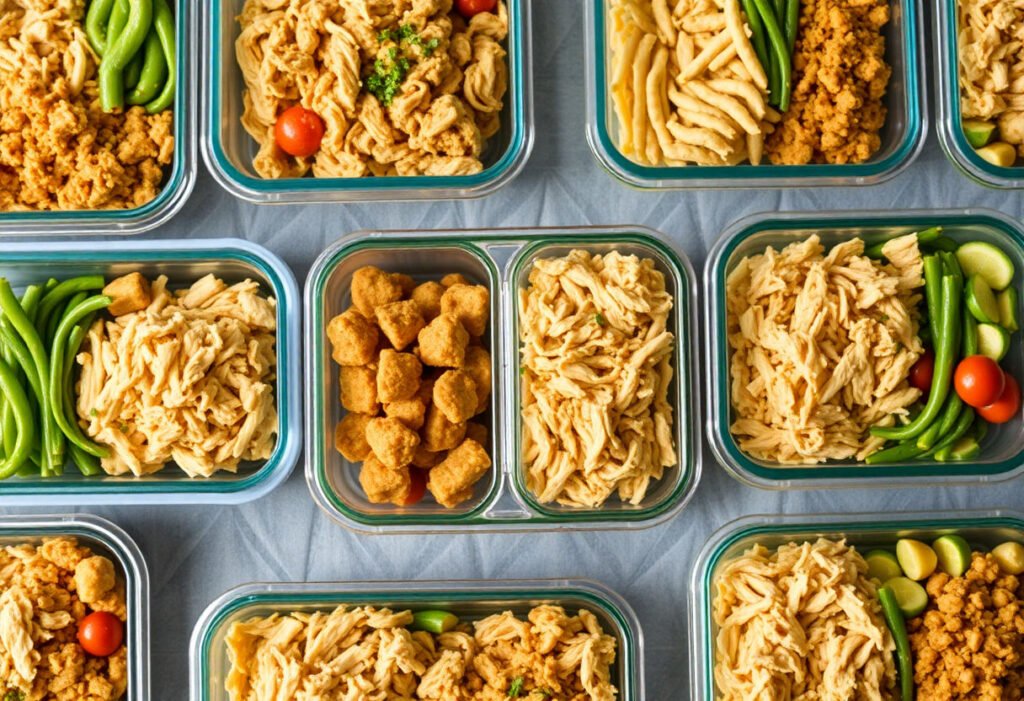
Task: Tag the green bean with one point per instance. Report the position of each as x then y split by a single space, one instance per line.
792 22
777 43
78 334
88 465
757 33
904 655
163 22
943 423
963 424
933 289
23 419
154 72
65 290
436 622
120 53
30 301
943 243
969 337
51 325
96 20
70 428
902 452
133 72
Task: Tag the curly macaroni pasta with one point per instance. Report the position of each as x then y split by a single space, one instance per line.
404 87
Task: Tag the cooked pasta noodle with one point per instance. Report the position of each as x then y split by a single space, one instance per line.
404 87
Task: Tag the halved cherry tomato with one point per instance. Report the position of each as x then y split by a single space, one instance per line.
299 131
1006 407
468 8
100 633
978 380
921 373
419 486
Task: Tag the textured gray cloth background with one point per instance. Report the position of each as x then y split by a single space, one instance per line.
196 553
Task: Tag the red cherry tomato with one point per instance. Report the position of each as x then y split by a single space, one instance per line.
299 131
921 373
978 380
1006 407
468 8
100 633
419 486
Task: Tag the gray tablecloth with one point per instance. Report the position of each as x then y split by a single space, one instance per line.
195 554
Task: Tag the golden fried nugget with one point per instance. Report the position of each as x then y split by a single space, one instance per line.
372 287
398 376
384 485
477 432
426 391
451 481
455 395
443 343
478 365
428 297
470 304
454 279
400 322
406 281
350 437
392 442
131 293
359 390
411 412
353 338
426 459
439 433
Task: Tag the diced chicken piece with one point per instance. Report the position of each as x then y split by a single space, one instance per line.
451 481
131 293
94 578
478 365
428 298
372 288
350 437
359 390
392 442
400 322
455 395
441 434
443 343
383 484
454 279
411 412
470 304
398 376
353 338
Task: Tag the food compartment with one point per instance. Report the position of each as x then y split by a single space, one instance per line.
183 263
663 494
336 480
229 150
866 532
902 135
469 600
1002 449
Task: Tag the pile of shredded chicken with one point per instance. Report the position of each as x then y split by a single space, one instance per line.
596 359
58 148
990 38
802 622
821 348
187 378
320 53
366 653
45 591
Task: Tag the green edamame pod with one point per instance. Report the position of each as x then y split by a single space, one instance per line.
154 72
96 22
120 53
163 22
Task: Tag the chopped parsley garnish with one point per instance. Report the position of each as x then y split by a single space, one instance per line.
387 35
600 320
543 692
93 412
515 688
387 77
14 695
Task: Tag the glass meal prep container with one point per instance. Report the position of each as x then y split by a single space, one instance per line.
470 600
228 149
947 82
183 262
501 260
902 136
179 177
865 531
1002 451
103 538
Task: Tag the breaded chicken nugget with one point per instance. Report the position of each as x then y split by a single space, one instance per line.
443 343
451 481
131 293
470 304
439 433
455 395
406 281
353 337
359 390
398 376
426 391
411 412
478 365
400 322
426 459
372 287
454 279
350 437
392 442
428 298
477 432
384 485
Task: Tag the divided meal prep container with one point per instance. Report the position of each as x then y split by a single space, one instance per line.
228 148
183 262
470 600
902 136
179 177
947 83
103 538
501 260
1002 451
865 531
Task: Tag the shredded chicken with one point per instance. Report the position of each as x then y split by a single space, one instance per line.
821 348
45 591
189 379
596 368
58 148
450 77
802 622
368 654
